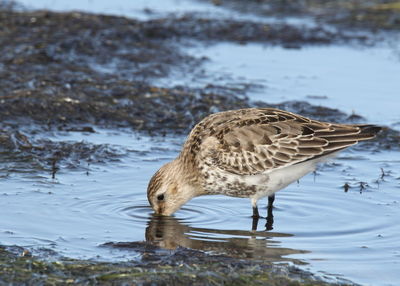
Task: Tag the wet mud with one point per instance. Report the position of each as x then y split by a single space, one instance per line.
18 153
60 68
74 72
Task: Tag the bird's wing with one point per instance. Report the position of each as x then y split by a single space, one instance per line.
252 141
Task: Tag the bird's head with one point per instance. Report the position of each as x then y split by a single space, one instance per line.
168 190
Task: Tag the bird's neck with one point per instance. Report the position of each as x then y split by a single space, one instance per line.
186 174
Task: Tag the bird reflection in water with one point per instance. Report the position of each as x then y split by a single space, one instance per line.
171 233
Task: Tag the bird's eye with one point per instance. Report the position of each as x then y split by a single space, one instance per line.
160 197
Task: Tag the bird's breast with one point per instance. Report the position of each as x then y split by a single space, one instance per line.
216 181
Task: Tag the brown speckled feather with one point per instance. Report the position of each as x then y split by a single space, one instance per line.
256 140
248 153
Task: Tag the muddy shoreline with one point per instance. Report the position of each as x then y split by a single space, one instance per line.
75 72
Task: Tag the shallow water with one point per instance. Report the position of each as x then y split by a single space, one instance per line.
149 9
349 78
141 9
351 234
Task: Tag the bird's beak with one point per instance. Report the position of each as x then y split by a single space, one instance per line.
162 212
159 211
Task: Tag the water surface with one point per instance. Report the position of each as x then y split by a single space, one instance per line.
141 9
315 221
351 234
350 78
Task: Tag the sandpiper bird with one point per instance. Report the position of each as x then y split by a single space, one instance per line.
248 153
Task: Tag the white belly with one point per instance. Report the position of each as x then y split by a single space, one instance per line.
256 186
281 178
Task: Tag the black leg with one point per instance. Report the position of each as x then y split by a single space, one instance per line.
255 212
255 217
271 200
270 220
255 224
270 215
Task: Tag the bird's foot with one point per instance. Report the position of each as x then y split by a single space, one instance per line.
269 224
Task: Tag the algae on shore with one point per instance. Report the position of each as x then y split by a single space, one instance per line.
180 267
